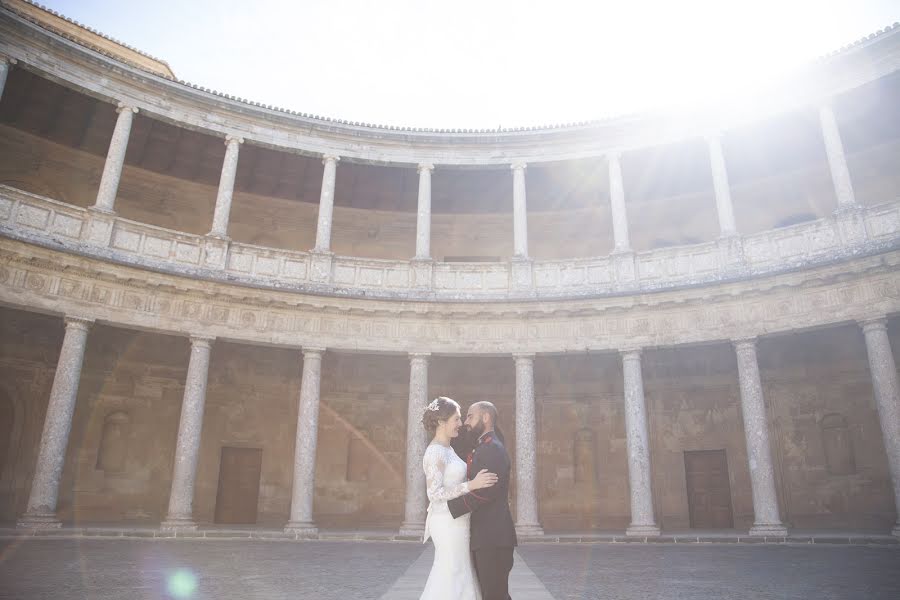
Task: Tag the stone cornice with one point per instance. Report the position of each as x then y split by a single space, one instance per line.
76 66
44 280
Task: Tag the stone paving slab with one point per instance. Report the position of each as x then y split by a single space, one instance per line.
720 537
523 583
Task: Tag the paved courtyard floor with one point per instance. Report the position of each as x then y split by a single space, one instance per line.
135 569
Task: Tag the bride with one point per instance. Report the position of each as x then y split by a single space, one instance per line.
452 575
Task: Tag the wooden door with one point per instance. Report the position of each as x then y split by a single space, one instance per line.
708 489
238 492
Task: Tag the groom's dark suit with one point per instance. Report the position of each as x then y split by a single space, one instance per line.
493 532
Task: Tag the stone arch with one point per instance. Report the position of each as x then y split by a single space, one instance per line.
113 447
838 444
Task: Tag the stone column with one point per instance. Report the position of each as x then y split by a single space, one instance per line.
527 523
617 203
416 442
767 520
180 515
226 187
643 523
41 509
5 64
115 159
423 220
304 487
724 206
520 212
840 174
887 399
326 204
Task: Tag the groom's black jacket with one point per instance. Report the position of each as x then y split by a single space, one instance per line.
492 524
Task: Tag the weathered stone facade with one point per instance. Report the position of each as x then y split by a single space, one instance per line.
188 324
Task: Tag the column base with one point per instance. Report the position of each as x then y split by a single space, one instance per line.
769 530
642 531
521 274
176 524
851 225
39 521
526 531
302 529
412 529
624 269
421 273
215 251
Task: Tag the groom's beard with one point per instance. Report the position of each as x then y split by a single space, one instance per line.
464 442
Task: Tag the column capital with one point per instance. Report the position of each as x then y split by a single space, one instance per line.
419 356
233 138
313 352
743 343
8 60
613 155
123 107
874 324
202 341
424 167
523 356
519 165
82 323
630 353
326 158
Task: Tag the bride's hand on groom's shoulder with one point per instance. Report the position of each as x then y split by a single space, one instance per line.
484 479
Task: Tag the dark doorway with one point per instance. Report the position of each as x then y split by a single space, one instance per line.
708 489
238 493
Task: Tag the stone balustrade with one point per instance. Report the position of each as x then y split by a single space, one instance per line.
47 222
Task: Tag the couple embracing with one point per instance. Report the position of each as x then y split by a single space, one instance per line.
468 515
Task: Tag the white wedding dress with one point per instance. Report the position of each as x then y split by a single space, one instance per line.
452 575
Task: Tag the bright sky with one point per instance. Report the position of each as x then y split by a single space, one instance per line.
481 63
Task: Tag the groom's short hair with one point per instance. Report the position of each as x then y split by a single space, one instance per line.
488 408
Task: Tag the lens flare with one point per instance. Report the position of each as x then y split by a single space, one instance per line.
182 584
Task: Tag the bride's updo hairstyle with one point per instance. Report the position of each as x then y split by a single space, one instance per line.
440 409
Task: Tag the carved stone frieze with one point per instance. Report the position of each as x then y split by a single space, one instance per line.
42 279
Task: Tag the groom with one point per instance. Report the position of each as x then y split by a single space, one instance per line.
493 533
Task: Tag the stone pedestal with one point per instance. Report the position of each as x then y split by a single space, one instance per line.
98 230
624 268
215 252
851 226
767 520
887 399
731 255
320 266
303 489
187 450
421 273
416 442
521 274
643 522
527 524
41 508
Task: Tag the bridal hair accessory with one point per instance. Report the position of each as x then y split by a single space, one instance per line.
435 405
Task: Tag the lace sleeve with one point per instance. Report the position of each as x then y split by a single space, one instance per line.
434 476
